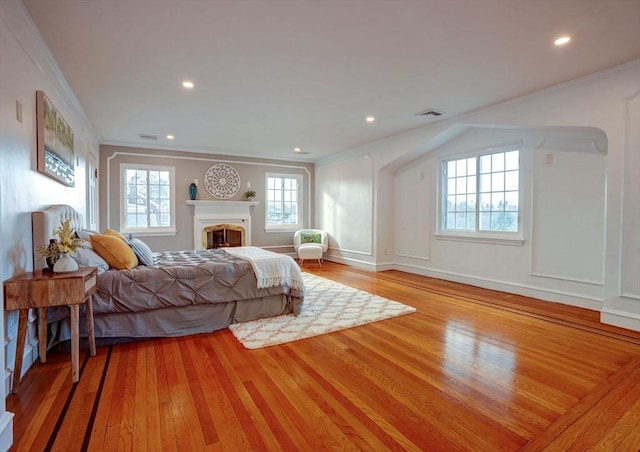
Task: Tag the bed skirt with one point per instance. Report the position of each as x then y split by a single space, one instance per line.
179 321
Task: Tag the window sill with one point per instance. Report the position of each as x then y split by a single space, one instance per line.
288 230
514 240
148 233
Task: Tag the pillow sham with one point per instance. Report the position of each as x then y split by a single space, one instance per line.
115 251
87 257
142 251
310 237
84 234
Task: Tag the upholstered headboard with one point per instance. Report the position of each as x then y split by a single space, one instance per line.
45 222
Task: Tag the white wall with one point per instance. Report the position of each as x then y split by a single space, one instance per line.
590 127
344 207
26 65
561 217
568 215
618 297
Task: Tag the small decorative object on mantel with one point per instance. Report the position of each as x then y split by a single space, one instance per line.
60 251
250 195
193 190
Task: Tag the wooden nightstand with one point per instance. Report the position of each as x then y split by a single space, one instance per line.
41 290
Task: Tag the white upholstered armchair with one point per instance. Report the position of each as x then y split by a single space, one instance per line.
310 244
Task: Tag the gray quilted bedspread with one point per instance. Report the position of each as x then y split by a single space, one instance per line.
181 278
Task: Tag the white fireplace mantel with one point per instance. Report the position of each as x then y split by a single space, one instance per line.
208 213
228 207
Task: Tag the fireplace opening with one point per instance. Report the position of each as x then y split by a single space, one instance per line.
223 235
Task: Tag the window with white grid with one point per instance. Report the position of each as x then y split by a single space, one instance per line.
147 199
284 201
481 193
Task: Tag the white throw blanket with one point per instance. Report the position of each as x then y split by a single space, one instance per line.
271 269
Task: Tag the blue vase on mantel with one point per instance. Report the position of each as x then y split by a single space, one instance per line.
193 191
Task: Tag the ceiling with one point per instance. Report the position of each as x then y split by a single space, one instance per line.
273 75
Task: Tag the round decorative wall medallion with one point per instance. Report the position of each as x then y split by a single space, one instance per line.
222 181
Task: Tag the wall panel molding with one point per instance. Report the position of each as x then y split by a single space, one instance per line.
629 283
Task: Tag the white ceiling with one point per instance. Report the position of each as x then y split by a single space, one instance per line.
272 75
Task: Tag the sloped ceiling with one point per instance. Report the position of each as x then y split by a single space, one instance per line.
272 75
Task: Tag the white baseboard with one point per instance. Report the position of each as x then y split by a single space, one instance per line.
364 265
6 430
542 293
277 247
7 381
384 266
622 319
29 357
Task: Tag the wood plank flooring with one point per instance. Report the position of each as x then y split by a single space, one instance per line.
472 369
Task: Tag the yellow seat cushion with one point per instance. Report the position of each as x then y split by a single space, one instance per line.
115 234
114 250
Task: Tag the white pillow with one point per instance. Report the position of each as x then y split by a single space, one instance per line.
84 234
86 257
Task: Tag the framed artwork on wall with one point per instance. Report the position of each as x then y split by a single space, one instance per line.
222 181
56 156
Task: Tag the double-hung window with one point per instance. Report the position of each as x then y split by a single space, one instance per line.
284 201
481 195
147 199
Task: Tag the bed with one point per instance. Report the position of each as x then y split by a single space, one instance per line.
182 293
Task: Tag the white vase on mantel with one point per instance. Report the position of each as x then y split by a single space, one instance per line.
65 264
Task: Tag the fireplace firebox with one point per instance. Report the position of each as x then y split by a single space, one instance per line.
223 235
213 215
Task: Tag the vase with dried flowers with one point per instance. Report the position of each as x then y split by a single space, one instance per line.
50 253
59 251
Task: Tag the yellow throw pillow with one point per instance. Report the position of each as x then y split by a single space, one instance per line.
115 234
116 252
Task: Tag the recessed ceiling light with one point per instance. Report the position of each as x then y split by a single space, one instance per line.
170 137
562 40
188 84
370 119
299 151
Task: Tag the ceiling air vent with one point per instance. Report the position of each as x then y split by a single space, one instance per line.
430 112
148 137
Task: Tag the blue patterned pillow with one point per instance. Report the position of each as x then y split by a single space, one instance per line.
142 251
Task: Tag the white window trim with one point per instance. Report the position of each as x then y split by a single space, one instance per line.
171 229
510 238
491 237
283 230
284 227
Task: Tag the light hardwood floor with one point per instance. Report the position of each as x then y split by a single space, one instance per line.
471 370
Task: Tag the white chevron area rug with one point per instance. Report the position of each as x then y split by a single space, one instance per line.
328 306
